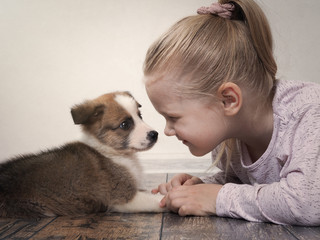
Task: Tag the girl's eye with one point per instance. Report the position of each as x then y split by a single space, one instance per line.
173 119
127 124
140 115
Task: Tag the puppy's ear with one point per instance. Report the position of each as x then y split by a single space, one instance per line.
129 94
86 113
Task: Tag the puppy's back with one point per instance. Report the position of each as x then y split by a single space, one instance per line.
72 180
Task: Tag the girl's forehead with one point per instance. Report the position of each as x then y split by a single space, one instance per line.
171 82
172 76
165 89
159 78
159 82
161 90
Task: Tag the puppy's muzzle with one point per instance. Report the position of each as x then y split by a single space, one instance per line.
152 136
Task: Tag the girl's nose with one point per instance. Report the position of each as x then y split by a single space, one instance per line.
169 131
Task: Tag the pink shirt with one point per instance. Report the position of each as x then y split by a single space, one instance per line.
283 185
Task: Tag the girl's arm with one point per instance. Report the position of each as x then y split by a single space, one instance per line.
295 199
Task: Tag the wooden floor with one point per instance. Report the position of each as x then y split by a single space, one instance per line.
149 226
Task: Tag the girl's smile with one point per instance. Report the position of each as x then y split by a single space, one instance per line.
199 125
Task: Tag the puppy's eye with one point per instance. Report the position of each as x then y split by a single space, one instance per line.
127 124
140 115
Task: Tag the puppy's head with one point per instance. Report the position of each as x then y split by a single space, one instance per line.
114 120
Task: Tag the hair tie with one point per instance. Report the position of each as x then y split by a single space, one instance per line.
221 10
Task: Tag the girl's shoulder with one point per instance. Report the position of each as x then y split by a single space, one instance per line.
293 97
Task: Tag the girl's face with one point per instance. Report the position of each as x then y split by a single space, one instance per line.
200 125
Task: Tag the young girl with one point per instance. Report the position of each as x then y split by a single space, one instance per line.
213 78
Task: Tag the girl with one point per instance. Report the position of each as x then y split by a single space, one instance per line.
213 78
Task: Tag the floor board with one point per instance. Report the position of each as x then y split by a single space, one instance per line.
21 228
104 226
304 233
176 227
152 226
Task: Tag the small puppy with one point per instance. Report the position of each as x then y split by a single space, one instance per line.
97 174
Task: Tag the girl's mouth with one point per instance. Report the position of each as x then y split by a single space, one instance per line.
184 142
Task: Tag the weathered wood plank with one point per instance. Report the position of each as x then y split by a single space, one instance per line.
21 228
305 233
176 227
104 226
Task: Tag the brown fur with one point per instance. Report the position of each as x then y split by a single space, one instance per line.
91 115
74 179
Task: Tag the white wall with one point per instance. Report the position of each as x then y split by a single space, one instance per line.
56 53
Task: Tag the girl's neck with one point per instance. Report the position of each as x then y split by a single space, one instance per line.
254 128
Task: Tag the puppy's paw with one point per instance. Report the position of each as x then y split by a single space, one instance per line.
142 202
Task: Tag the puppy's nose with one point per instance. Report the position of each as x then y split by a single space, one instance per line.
152 136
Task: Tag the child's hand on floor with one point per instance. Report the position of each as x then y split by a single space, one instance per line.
177 180
185 195
199 200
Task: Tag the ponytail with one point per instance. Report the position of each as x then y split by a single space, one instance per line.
255 20
252 15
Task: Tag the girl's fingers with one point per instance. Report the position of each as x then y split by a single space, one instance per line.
163 202
168 187
154 191
163 189
188 183
176 182
197 199
192 181
180 179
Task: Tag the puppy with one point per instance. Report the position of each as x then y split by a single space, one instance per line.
97 174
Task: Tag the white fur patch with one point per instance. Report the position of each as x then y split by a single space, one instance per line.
131 164
139 136
142 202
128 103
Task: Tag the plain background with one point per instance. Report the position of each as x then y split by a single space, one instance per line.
57 53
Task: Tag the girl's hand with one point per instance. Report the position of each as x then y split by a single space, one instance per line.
177 180
199 200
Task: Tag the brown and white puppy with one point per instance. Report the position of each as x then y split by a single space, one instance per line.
97 174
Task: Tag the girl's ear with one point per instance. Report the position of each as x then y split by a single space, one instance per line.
231 98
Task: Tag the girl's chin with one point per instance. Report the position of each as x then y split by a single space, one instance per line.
194 150
197 152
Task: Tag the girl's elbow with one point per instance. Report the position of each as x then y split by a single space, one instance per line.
306 214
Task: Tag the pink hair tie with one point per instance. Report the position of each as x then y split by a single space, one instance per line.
221 10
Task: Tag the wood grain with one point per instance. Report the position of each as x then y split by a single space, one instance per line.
22 228
175 227
304 233
149 226
109 226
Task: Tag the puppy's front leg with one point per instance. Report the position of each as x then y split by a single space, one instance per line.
142 202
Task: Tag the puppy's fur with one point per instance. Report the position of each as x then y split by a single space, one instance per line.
99 173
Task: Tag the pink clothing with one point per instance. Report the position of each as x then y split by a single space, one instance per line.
283 185
222 10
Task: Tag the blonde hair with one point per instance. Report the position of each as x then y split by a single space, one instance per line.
215 50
